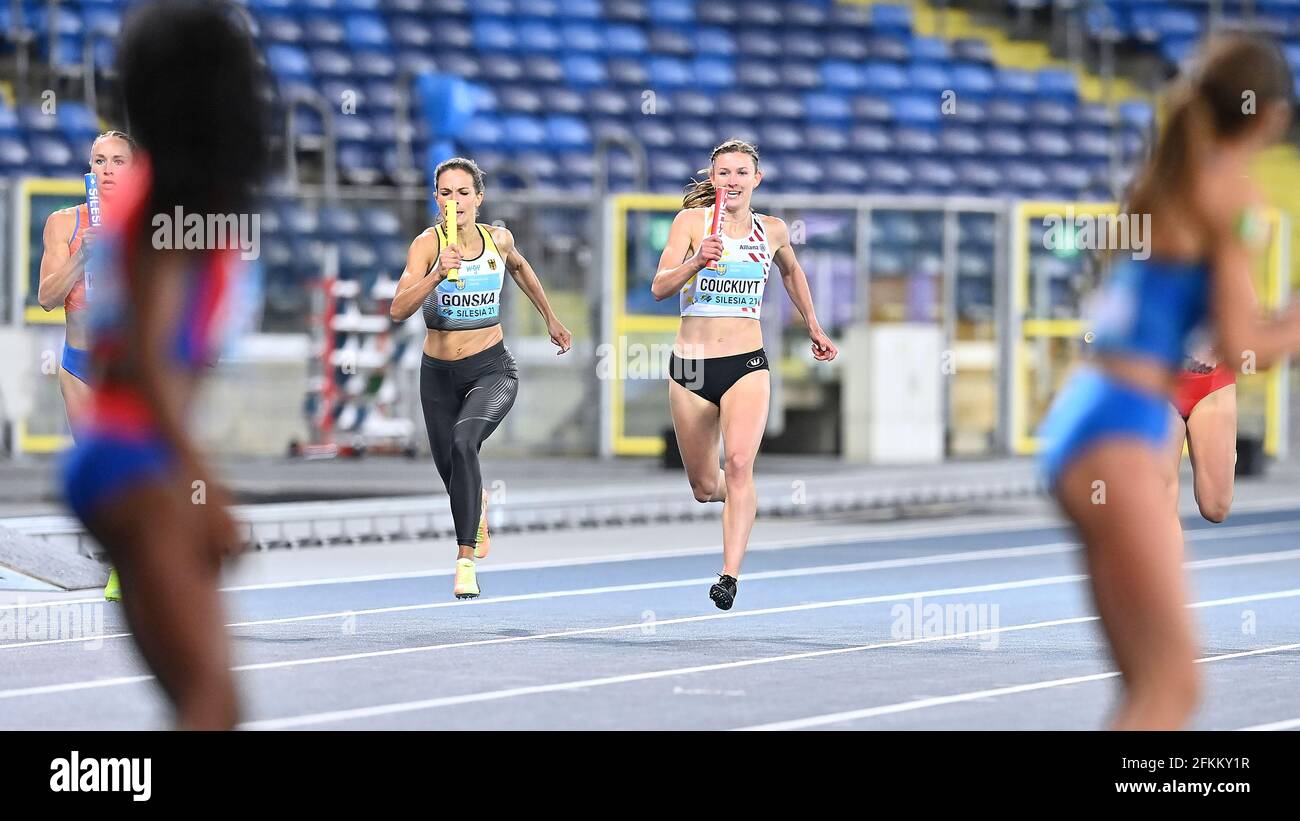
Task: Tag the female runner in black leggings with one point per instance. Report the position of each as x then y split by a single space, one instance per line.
468 379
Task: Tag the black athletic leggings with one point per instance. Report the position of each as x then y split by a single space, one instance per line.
464 401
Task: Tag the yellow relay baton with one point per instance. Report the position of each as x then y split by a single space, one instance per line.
449 213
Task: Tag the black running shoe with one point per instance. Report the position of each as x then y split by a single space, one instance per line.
724 592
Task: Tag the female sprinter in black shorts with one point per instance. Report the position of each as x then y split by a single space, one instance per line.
719 369
468 379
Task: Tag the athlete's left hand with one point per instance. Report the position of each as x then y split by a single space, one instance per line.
823 349
560 336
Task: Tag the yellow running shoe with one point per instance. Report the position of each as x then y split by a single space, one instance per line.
113 590
466 580
483 543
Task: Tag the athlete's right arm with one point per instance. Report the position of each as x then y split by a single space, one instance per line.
60 270
1242 336
418 280
675 267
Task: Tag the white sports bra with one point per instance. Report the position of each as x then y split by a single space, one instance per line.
734 287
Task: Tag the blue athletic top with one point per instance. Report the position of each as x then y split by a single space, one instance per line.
1148 308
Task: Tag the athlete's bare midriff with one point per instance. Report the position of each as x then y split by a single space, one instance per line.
708 337
77 329
451 345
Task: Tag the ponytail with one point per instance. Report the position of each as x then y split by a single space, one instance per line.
1179 151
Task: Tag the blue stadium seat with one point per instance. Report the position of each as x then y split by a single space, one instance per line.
624 39
800 45
883 77
934 173
797 75
275 28
606 102
500 69
974 50
1008 111
1016 81
563 100
483 131
917 109
374 65
627 72
756 74
972 78
888 47
452 35
672 11
889 176
978 174
754 42
627 11
692 103
1061 84
1049 142
958 140
518 98
654 133
870 107
288 61
543 69
870 139
323 31
330 62
1052 112
380 222
365 31
9 123
848 47
777 137
932 49
671 42
930 77
827 107
1092 142
564 132
1005 142
718 13
821 139
910 139
411 32
583 71
337 221
842 75
714 72
714 42
885 17
76 121
580 36
670 72
744 106
417 61
537 8
523 131
696 136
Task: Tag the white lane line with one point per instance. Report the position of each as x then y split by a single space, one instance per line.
447 701
913 533
1203 534
956 698
880 564
1289 724
399 651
